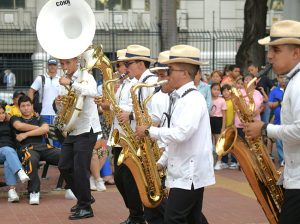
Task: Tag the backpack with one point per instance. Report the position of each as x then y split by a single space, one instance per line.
38 98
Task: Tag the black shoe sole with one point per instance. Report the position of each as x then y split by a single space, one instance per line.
83 217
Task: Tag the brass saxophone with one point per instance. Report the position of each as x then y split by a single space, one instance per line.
252 155
95 58
128 132
141 159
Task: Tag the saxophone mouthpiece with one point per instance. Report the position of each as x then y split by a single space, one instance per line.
160 83
122 76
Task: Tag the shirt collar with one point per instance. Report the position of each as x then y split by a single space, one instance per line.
293 70
185 87
48 76
146 73
75 75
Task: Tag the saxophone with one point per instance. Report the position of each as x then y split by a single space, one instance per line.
95 58
68 111
141 159
128 132
252 155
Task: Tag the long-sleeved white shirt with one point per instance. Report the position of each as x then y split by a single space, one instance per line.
289 131
85 84
124 100
190 159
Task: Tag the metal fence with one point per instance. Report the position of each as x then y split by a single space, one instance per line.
19 50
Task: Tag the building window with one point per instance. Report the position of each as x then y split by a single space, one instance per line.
113 4
12 4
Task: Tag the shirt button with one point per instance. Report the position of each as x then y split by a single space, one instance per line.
192 161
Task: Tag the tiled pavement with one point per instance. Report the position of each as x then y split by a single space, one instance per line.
230 201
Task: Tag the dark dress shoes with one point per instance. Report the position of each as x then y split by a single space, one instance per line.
129 221
82 214
76 207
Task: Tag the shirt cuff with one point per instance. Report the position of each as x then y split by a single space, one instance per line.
154 132
273 130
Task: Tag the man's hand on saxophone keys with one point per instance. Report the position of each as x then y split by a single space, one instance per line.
64 81
123 117
253 130
140 131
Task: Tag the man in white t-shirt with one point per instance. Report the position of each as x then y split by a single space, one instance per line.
48 93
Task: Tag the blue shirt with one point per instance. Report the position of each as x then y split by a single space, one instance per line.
276 95
206 92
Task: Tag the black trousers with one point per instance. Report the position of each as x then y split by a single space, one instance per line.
128 189
51 156
74 165
290 210
184 207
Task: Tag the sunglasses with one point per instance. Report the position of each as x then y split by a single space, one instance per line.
170 70
127 64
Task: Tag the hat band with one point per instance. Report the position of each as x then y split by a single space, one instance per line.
277 38
129 55
193 58
161 65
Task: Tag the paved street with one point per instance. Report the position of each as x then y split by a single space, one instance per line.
230 201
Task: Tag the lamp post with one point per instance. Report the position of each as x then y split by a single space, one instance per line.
111 5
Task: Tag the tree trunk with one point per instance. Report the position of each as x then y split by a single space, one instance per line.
255 13
168 24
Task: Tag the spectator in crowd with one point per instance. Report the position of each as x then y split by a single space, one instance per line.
98 159
275 99
231 75
215 77
13 109
225 90
266 84
217 117
29 133
8 156
9 79
49 91
203 88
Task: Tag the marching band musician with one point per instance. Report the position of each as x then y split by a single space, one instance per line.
77 148
284 55
190 167
123 177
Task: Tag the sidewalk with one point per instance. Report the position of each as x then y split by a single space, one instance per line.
230 201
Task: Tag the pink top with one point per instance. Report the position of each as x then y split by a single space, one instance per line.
218 105
258 100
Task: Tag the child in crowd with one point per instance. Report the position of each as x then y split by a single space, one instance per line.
215 77
229 122
217 116
8 156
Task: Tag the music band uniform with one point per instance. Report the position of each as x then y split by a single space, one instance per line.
77 148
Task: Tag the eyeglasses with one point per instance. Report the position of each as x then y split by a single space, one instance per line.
129 63
170 70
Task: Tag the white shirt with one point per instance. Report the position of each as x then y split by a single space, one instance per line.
159 105
10 79
190 159
85 84
289 131
146 91
51 91
124 100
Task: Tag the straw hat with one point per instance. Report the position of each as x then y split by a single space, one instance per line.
185 54
138 52
162 57
120 55
283 32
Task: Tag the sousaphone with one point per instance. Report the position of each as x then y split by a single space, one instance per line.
65 29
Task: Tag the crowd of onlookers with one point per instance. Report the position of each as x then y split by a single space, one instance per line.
267 97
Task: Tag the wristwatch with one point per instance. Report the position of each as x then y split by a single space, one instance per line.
147 131
264 132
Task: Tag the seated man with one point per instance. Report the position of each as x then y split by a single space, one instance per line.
29 132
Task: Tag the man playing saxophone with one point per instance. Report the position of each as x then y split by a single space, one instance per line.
189 128
77 147
284 55
123 177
